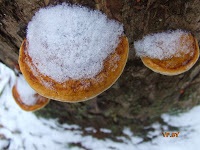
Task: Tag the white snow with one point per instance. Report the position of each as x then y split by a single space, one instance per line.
27 94
164 45
21 130
69 41
105 130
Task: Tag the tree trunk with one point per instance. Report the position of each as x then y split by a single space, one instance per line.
140 96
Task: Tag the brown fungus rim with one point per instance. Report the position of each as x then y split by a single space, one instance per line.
75 90
159 66
41 101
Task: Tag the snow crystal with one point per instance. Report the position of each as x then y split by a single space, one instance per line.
163 45
71 41
25 91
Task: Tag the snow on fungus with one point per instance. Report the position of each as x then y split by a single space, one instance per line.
168 53
26 97
72 53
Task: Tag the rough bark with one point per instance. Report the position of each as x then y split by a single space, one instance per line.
140 96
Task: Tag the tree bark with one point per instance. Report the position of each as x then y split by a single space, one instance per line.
140 96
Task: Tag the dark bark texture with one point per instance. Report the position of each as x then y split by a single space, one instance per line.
140 96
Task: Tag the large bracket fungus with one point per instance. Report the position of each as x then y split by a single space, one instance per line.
72 53
168 53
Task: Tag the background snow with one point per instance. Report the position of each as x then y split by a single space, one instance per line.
20 130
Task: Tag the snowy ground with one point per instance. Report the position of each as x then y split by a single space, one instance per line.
20 130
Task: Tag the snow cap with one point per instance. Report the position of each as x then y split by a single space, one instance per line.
163 45
67 41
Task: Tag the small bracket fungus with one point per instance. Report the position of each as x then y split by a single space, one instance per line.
72 53
26 97
168 53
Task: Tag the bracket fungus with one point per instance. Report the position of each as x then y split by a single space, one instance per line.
26 97
168 53
72 58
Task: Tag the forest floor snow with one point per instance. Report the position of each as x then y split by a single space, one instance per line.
20 130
